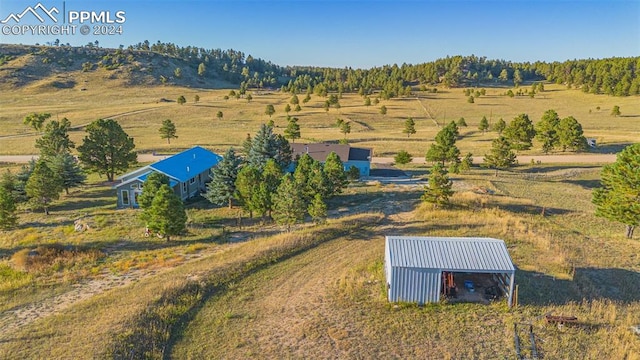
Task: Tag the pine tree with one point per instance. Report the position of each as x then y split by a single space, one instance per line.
68 170
168 130
570 135
547 130
55 139
8 216
499 126
409 127
520 132
334 171
248 185
107 149
166 214
292 131
219 115
43 186
466 163
402 157
294 100
461 122
150 188
287 108
438 191
617 198
181 100
615 111
267 145
383 110
289 206
445 148
318 209
269 110
222 188
484 124
345 128
500 156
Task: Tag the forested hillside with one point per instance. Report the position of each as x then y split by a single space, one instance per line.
168 63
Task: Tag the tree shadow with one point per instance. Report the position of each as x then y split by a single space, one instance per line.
585 184
609 148
612 284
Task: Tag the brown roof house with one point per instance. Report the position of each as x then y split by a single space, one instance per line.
350 156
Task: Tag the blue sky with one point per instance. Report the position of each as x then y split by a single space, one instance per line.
365 33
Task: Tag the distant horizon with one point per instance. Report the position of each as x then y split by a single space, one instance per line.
355 34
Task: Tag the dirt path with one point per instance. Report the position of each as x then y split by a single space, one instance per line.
75 128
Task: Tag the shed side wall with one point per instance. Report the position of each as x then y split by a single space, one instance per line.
415 285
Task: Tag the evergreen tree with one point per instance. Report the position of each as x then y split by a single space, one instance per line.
68 170
345 128
202 69
271 175
402 157
8 216
484 124
150 188
267 145
367 101
461 122
36 120
269 110
222 188
219 115
383 110
302 176
287 108
333 168
248 186
20 183
520 132
181 100
107 149
500 156
570 135
168 130
409 127
445 148
249 98
617 198
294 100
547 130
292 131
43 186
615 111
467 162
289 206
438 191
196 99
297 108
318 209
55 139
499 126
166 215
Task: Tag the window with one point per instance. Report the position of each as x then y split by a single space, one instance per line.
192 180
184 187
125 197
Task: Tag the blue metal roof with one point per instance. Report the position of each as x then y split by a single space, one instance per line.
187 164
450 254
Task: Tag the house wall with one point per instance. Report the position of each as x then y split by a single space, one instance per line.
190 189
131 189
363 166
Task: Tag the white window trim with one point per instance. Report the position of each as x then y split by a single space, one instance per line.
192 180
125 195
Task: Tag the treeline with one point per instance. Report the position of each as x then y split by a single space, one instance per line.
612 76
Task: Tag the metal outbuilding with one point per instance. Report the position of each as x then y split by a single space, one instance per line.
417 268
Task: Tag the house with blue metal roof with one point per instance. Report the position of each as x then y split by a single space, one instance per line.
188 173
428 269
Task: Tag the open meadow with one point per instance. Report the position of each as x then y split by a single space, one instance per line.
140 111
233 287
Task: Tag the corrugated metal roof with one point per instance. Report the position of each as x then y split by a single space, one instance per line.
187 164
450 254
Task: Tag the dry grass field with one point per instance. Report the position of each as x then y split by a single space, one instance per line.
255 291
140 111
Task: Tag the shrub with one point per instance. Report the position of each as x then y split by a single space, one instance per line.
403 157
